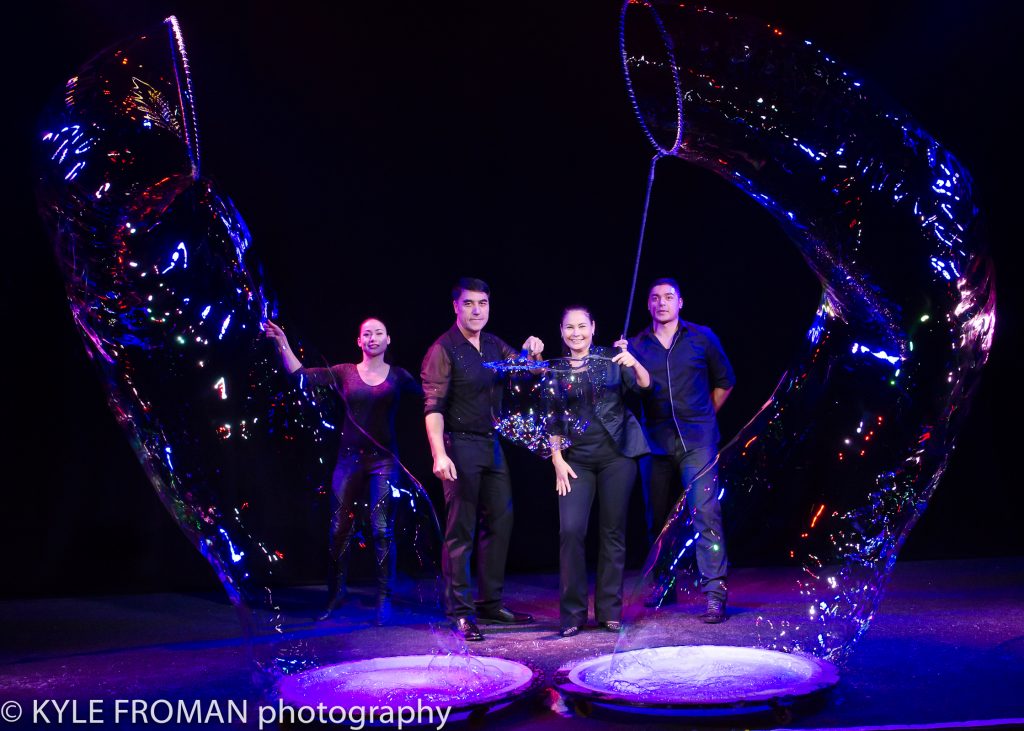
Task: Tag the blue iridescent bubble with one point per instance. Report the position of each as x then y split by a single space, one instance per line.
547 403
840 462
165 289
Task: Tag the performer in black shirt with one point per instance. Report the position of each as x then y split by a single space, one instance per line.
691 379
367 463
461 403
600 461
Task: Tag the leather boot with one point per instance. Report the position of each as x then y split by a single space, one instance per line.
341 536
385 550
336 592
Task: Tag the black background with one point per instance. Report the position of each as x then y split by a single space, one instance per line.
379 150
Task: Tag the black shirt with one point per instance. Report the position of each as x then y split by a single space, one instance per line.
369 410
678 405
457 385
594 394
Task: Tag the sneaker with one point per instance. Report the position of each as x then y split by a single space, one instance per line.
569 631
612 625
715 611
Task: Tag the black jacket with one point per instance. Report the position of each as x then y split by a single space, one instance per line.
612 382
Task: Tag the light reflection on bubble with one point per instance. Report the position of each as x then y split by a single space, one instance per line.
164 288
840 462
549 402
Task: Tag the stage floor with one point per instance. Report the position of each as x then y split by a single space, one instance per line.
946 647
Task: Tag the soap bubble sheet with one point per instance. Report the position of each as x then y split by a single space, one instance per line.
166 290
546 404
832 473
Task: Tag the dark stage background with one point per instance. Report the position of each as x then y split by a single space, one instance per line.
378 150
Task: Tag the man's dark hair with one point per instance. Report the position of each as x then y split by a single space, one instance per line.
469 284
666 280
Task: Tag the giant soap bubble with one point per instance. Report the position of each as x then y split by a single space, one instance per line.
832 473
166 292
548 401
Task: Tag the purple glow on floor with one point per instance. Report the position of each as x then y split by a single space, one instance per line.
700 676
409 680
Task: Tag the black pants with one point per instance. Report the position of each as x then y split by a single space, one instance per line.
663 478
482 495
600 470
360 476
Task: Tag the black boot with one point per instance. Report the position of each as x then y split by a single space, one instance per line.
715 612
383 608
384 547
341 536
385 572
336 592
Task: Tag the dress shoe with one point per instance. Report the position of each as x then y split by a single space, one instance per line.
612 625
715 611
504 616
466 627
569 631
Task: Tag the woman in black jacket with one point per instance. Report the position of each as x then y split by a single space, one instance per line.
601 460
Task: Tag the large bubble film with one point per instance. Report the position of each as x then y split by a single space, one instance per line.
548 404
166 292
841 460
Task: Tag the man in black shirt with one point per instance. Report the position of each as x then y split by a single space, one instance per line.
690 380
461 399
